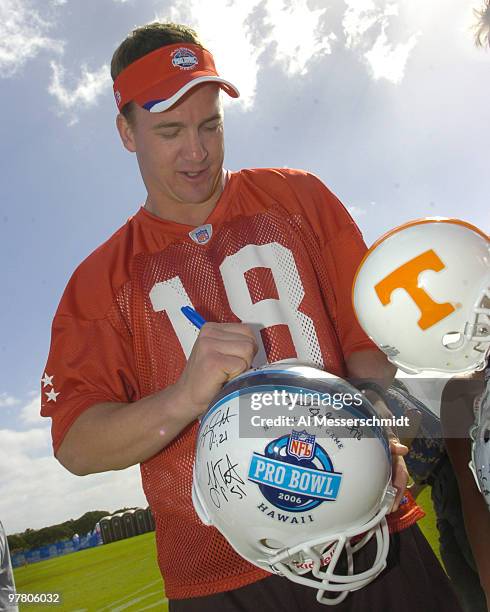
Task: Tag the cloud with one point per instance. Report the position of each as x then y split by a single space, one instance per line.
258 33
16 443
36 491
388 61
273 31
288 22
7 400
29 414
84 93
267 30
356 211
359 17
365 24
22 36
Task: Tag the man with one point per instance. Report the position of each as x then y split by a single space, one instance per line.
468 568
7 585
464 513
269 257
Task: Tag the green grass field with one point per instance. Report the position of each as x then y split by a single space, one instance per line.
124 575
428 523
115 577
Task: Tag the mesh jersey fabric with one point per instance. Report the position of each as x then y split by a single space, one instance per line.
282 257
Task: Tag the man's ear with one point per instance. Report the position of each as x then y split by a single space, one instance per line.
126 133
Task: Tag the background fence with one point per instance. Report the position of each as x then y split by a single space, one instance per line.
109 529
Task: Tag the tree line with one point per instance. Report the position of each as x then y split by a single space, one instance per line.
33 538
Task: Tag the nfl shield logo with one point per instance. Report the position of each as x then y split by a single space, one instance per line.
301 444
202 234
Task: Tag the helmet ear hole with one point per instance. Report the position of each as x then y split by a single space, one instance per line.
453 340
272 544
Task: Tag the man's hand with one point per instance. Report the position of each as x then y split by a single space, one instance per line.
221 352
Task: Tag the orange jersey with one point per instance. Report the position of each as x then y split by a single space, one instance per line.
278 252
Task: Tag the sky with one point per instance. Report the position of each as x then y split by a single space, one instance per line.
385 100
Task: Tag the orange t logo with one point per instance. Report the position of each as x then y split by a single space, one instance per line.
406 277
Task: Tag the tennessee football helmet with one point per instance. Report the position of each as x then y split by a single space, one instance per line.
291 498
422 293
480 442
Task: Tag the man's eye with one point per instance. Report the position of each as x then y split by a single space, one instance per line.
169 135
212 127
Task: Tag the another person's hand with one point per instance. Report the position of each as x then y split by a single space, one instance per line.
399 472
221 352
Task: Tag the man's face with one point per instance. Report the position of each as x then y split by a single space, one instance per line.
180 151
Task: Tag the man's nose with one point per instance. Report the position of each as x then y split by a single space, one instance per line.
194 149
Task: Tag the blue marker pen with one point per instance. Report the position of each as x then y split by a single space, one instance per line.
194 317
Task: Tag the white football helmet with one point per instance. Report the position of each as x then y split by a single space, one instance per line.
422 294
289 500
480 442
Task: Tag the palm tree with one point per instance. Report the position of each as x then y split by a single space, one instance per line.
482 26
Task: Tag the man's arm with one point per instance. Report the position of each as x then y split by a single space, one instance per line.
113 436
457 412
373 365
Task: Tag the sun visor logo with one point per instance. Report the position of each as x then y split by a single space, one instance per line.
184 58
